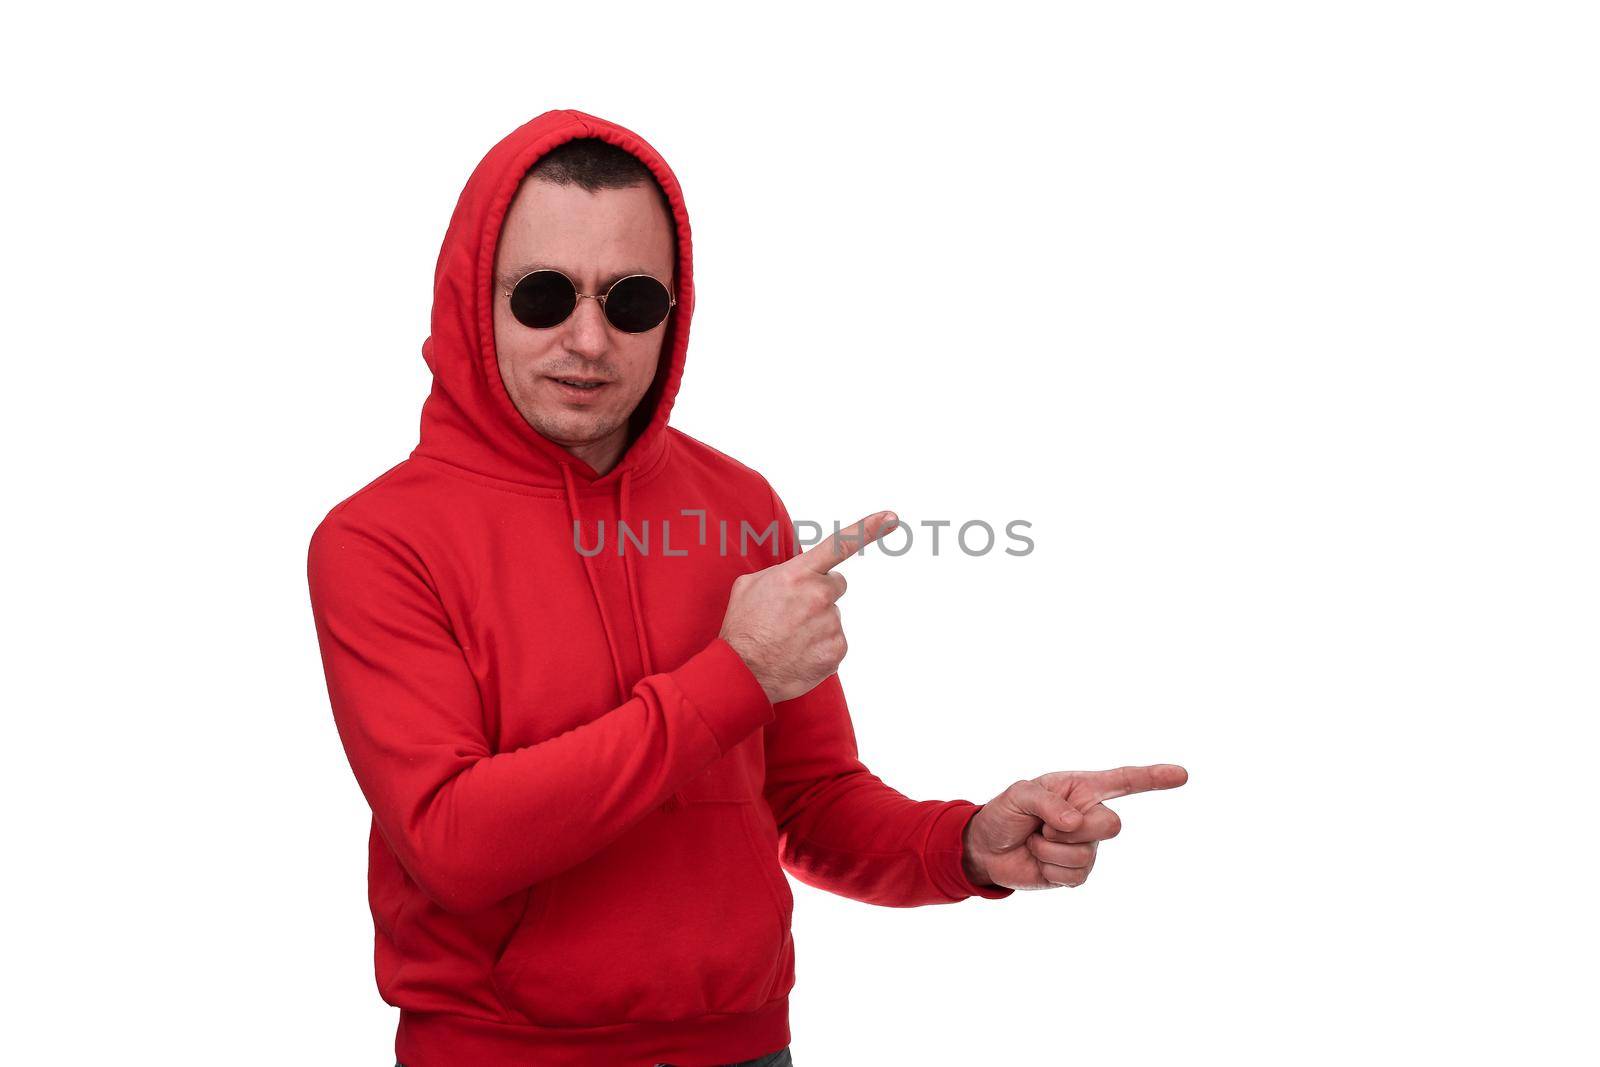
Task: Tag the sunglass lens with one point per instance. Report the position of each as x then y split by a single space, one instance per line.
637 304
543 299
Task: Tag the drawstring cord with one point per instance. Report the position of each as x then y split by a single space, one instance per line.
594 584
677 800
633 579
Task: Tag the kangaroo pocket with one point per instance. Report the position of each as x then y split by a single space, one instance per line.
686 914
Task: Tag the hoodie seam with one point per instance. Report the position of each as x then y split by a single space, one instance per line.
489 481
372 485
927 852
634 1024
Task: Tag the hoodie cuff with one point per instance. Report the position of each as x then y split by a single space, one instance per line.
945 849
723 689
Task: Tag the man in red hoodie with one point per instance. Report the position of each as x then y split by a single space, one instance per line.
591 757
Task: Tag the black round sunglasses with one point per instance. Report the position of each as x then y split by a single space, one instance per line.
544 298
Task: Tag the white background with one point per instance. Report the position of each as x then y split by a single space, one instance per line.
1278 322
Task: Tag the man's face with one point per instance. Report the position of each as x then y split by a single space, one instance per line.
594 239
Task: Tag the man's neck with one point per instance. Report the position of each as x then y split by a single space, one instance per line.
603 454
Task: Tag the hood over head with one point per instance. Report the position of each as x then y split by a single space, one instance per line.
469 420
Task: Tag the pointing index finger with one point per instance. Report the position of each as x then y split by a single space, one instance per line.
1124 780
832 550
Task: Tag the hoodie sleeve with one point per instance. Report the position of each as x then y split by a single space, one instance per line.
840 827
469 825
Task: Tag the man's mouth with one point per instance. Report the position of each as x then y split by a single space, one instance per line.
587 385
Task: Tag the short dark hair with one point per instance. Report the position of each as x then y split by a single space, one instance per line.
592 164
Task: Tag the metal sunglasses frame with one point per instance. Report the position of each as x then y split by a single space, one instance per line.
672 301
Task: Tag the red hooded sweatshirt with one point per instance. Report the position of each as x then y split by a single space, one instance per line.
582 801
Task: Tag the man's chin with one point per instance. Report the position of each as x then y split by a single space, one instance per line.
573 429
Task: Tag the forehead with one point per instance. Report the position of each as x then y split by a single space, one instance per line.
588 234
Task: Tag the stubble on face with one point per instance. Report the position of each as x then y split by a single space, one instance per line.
593 238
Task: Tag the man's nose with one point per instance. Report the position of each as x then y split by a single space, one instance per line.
586 329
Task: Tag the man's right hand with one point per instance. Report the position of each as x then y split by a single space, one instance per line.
784 622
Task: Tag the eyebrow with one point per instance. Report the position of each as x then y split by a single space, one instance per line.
512 275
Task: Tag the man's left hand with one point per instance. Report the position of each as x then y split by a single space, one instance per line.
1042 833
